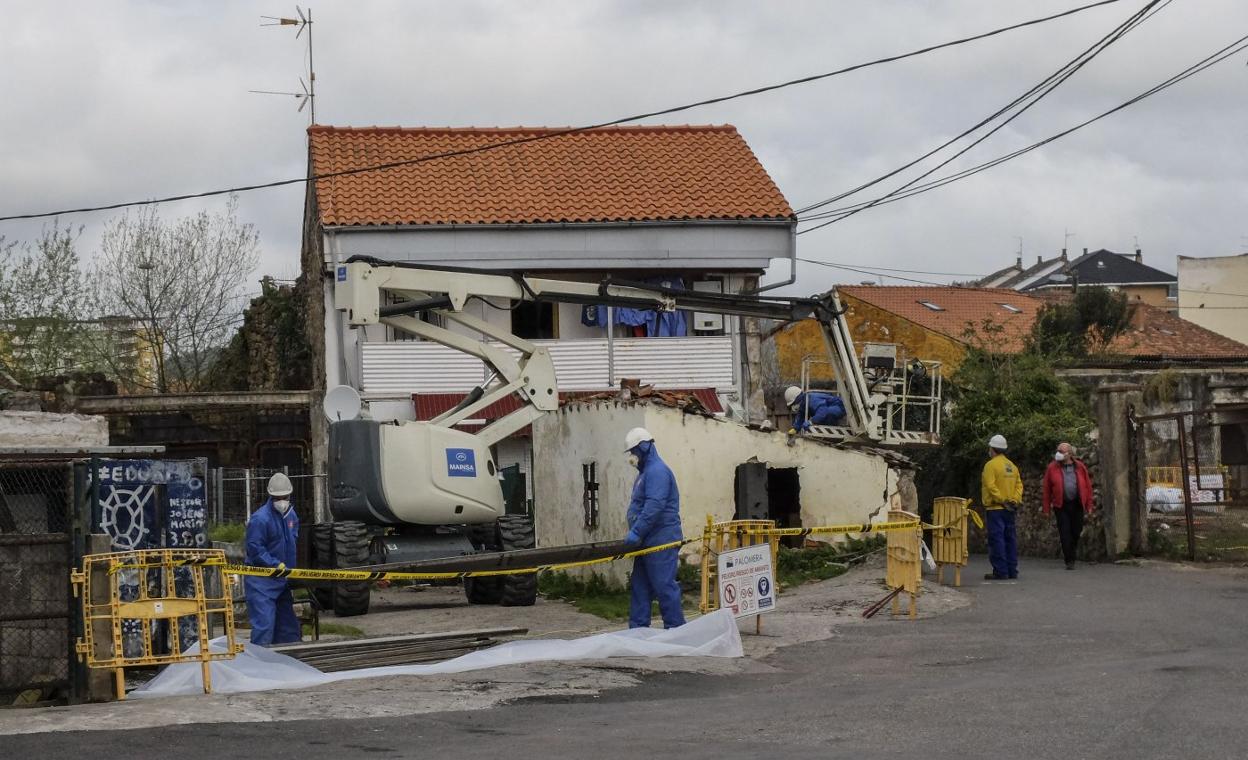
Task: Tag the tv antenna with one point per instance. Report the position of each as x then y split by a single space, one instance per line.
308 96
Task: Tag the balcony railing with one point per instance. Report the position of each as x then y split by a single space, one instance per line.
406 367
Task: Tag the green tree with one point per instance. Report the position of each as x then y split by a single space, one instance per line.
46 304
1087 323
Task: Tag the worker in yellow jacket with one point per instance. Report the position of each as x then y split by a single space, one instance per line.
1002 495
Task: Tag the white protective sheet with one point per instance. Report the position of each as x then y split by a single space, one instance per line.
258 669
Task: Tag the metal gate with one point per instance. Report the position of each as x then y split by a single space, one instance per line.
37 626
1193 465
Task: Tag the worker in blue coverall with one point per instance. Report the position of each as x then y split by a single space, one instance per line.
653 520
271 535
813 408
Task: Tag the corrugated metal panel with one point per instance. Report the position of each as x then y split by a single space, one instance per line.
676 362
423 367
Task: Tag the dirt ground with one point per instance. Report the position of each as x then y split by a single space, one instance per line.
808 613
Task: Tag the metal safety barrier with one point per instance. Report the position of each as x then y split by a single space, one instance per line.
147 607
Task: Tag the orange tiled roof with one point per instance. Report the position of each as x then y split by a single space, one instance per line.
959 308
1154 334
615 174
1157 334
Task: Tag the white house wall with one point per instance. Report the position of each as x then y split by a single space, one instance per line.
749 245
837 485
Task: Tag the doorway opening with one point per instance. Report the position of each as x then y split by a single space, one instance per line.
770 493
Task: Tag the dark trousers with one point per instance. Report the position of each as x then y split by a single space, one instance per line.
1002 543
1069 526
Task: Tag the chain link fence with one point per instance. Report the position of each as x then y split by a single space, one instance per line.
235 492
36 553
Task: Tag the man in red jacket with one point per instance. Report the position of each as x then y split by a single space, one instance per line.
1067 492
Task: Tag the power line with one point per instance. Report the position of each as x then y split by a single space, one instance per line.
1197 68
873 274
894 269
996 114
1036 94
561 132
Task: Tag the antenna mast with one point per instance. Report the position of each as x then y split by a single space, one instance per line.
308 96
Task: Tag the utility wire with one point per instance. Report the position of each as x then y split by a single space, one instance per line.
873 274
1197 68
1004 109
558 133
1036 94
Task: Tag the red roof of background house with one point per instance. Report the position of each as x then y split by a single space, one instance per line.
1157 334
959 308
430 405
1154 333
605 175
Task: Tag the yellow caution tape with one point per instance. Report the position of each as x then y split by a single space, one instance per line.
309 574
832 529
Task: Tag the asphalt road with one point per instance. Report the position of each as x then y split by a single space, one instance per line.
1106 662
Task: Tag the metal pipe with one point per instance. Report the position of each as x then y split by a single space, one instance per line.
792 264
1187 491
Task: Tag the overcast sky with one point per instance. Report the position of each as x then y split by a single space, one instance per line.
110 101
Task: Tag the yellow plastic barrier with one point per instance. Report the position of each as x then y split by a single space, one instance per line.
904 569
949 535
172 585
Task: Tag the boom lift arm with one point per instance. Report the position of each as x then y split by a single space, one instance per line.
362 284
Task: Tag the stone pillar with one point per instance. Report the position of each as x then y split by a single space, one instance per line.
1120 502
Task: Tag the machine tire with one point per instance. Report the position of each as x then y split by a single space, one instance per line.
323 559
488 590
351 542
516 532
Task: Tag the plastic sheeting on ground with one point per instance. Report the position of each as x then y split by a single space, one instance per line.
258 669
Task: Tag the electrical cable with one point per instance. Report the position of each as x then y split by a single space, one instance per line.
1212 60
999 112
1048 86
873 274
556 133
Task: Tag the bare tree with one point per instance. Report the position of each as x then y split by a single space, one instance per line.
182 283
46 303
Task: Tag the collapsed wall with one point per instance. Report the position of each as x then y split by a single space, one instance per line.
579 451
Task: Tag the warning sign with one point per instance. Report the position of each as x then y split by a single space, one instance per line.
747 581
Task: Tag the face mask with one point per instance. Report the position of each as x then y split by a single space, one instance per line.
283 505
633 460
1059 456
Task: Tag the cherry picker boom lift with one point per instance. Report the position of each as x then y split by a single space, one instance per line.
425 494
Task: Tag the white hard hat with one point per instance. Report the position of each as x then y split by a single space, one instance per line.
279 485
997 442
636 436
790 394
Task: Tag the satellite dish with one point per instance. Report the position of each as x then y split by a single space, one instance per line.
342 402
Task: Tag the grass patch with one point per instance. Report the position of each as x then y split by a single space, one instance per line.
592 595
230 533
334 629
596 596
797 566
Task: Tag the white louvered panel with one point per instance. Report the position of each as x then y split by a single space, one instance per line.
580 365
409 366
676 362
424 367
